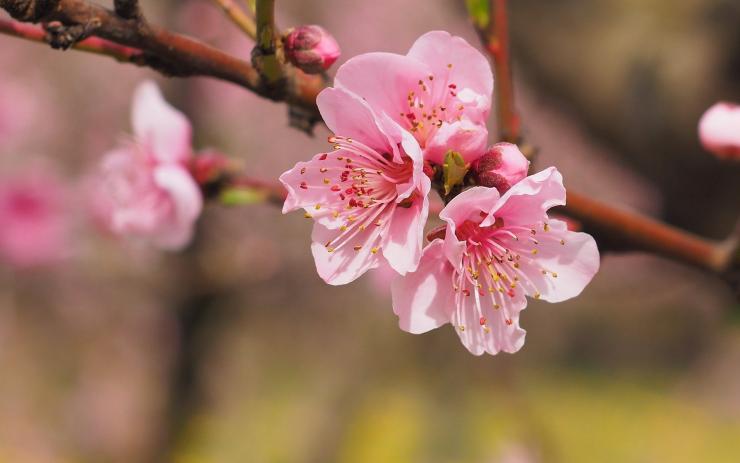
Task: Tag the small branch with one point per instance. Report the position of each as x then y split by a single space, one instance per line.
239 17
92 44
264 54
496 40
621 230
167 52
127 9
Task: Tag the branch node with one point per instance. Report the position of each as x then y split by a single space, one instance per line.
29 10
61 36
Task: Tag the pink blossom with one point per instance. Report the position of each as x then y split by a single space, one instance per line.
719 130
500 167
368 196
440 91
143 188
497 250
34 222
311 48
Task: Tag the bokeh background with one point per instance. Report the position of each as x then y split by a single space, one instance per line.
235 351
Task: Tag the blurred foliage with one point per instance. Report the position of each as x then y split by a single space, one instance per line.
479 12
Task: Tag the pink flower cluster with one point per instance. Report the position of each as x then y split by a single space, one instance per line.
396 118
144 188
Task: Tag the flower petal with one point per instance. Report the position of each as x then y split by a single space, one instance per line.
404 239
469 68
500 330
159 126
463 136
565 263
187 202
423 300
384 80
527 201
348 262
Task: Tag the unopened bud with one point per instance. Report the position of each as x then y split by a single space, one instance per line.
311 48
208 167
719 130
500 167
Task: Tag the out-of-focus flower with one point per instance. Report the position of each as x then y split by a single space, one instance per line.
143 189
719 130
311 48
440 91
368 196
34 221
500 167
497 250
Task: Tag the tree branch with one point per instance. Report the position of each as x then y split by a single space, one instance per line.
264 54
496 40
170 53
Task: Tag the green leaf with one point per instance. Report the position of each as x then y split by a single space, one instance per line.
479 13
453 170
240 196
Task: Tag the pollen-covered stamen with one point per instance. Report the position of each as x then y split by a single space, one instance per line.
432 103
361 184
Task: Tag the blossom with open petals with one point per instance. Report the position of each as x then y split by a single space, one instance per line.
367 196
440 91
497 250
719 130
144 189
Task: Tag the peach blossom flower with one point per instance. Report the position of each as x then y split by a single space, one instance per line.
143 188
719 130
497 250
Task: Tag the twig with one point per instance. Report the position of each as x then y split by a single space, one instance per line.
264 54
170 53
238 17
496 41
92 44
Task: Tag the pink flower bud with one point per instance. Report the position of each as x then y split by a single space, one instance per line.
719 130
311 48
502 166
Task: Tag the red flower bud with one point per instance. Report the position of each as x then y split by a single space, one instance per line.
311 48
500 167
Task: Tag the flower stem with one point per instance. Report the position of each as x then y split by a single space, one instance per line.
239 17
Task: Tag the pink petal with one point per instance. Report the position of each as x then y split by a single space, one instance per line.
514 166
345 264
466 138
470 69
384 80
402 245
159 126
349 116
188 204
719 130
503 323
469 203
424 300
527 202
571 259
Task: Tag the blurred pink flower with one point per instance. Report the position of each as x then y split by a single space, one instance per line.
719 130
500 167
34 221
497 249
144 189
368 196
440 91
311 48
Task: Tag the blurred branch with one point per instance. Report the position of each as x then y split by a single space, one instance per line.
91 44
495 38
127 9
67 22
239 17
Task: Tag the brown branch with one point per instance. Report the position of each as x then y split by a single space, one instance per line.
127 9
170 53
92 44
496 40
